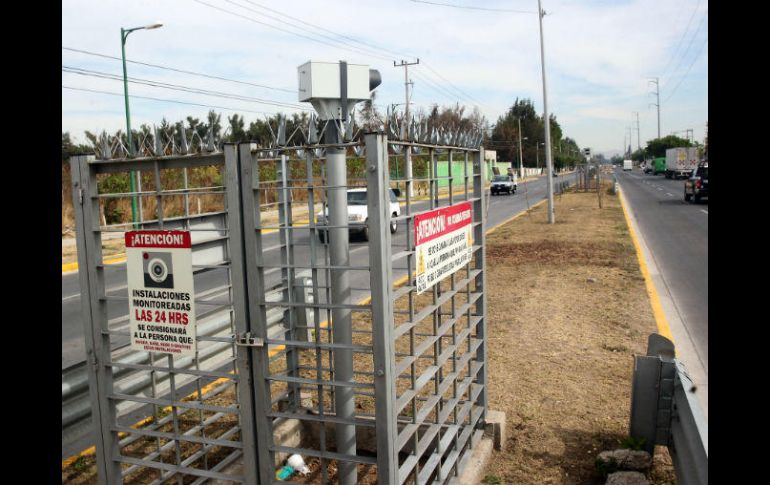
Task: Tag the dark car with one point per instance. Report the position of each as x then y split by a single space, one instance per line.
697 186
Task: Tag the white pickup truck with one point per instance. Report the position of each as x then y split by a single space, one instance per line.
358 214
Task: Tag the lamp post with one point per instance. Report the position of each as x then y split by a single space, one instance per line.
521 158
546 121
132 176
537 153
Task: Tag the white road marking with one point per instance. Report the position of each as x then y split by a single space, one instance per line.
704 211
113 289
671 195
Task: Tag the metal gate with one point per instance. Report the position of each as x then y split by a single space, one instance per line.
375 379
158 418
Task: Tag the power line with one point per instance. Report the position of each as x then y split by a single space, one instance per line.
344 45
330 31
688 46
179 87
475 8
697 56
373 53
166 100
686 30
455 87
193 73
287 31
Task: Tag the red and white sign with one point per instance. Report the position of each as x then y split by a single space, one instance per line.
160 291
443 243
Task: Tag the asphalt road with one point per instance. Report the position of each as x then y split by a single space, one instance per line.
501 207
676 233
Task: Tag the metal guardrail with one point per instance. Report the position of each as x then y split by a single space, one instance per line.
76 402
665 411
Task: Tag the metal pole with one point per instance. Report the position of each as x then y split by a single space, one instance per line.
521 173
547 121
405 127
638 141
339 253
380 278
132 175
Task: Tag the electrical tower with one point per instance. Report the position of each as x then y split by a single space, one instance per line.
657 94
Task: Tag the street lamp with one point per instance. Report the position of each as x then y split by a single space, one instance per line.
521 158
537 153
546 120
132 176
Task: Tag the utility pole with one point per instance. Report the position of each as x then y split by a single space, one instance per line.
547 121
657 93
521 172
638 142
405 125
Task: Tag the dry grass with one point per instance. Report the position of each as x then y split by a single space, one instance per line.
567 310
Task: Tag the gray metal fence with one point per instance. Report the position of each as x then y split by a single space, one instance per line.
376 379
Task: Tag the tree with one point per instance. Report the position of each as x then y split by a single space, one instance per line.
369 117
237 133
69 149
505 137
657 148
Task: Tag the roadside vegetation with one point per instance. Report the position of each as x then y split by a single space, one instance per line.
567 311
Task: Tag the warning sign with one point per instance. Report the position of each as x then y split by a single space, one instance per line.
443 243
160 291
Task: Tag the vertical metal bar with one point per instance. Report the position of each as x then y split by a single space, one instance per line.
380 276
186 194
94 313
288 276
339 250
481 282
158 197
139 198
450 172
250 413
175 418
316 298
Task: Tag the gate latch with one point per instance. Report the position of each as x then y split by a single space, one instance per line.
248 340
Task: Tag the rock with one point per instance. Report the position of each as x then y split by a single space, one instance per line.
625 459
626 478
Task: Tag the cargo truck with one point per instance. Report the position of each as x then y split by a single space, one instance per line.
628 165
658 165
681 161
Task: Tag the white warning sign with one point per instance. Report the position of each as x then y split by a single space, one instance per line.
160 291
443 243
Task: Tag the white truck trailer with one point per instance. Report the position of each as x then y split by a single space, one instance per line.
680 162
628 165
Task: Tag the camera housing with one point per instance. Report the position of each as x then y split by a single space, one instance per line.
158 270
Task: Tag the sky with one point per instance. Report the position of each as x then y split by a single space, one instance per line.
599 58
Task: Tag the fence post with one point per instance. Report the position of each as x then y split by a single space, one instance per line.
481 279
94 313
380 276
241 319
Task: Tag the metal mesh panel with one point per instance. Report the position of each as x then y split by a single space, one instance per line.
412 368
159 417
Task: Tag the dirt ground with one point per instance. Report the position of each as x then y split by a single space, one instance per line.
567 310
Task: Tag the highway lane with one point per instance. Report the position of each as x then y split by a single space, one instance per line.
676 233
73 348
